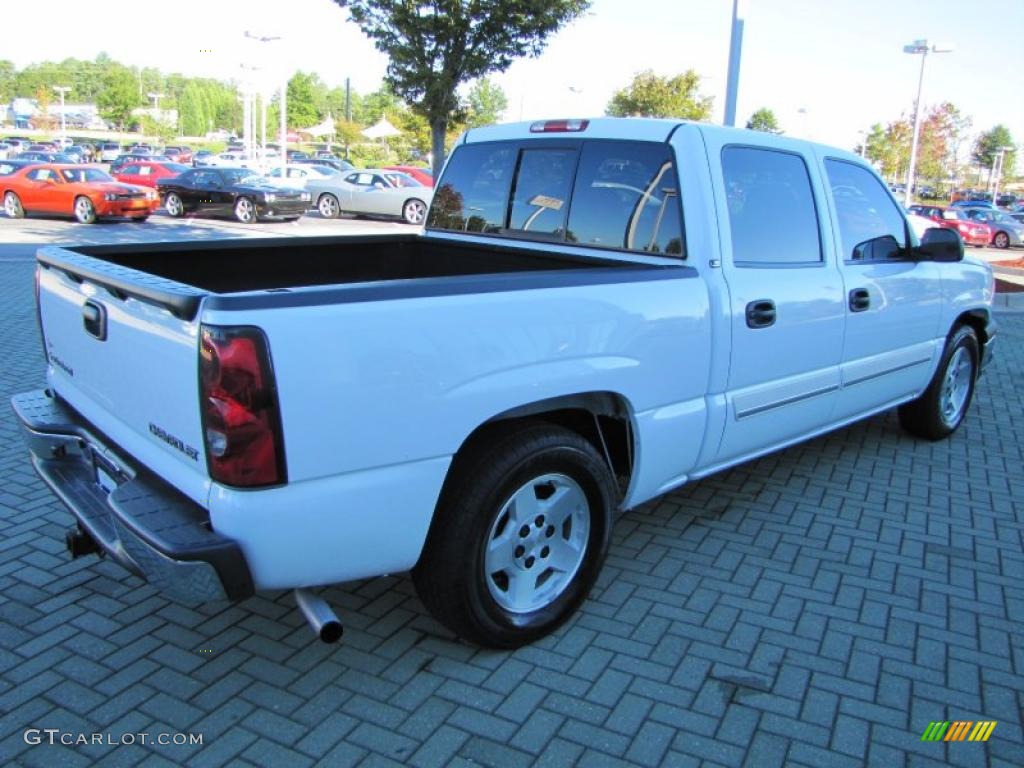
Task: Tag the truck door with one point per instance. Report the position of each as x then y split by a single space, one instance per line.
785 296
894 303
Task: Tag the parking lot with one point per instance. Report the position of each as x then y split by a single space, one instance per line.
818 607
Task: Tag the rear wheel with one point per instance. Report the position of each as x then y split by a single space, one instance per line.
12 206
85 211
328 206
1001 240
245 210
414 211
941 408
173 205
519 536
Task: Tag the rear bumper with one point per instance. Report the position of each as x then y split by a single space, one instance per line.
142 523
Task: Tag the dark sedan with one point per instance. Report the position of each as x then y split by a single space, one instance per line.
234 192
10 166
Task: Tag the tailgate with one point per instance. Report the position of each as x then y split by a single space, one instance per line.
122 348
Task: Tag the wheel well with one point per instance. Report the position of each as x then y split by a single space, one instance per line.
978 320
600 418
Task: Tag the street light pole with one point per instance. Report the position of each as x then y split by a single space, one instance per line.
284 95
923 48
156 109
997 171
735 52
62 89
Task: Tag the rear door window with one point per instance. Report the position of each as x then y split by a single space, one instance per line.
772 216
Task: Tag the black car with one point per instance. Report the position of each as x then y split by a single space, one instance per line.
1006 200
237 192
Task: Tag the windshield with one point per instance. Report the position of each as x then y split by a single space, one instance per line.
241 176
84 175
401 180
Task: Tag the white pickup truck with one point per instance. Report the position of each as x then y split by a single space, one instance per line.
596 313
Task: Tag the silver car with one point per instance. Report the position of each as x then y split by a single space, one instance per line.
1006 230
372 191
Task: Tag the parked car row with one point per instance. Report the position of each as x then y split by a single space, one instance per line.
978 223
87 193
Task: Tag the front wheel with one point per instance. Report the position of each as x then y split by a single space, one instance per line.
414 211
941 408
245 210
329 206
13 206
173 205
1001 240
85 211
519 536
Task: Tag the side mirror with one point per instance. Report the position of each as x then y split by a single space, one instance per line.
940 244
881 248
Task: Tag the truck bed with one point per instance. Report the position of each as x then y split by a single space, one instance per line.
275 263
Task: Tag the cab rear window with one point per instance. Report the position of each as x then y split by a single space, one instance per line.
618 195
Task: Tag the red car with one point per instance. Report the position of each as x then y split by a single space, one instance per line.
146 173
422 175
976 233
179 154
74 190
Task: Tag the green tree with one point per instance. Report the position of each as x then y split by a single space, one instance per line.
485 103
120 95
302 93
192 111
8 77
764 120
434 47
988 145
650 95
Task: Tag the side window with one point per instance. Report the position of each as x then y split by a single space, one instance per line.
772 216
42 174
540 198
144 170
626 196
871 227
473 196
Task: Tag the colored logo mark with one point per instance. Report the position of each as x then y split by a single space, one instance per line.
959 730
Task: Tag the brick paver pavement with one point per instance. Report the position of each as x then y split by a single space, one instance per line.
818 607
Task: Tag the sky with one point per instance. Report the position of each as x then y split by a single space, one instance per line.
827 68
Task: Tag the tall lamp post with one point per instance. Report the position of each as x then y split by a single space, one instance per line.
997 170
284 99
922 48
732 87
156 109
62 89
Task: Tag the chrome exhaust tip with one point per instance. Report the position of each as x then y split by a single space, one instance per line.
321 618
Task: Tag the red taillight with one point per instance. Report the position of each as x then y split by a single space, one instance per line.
559 126
241 419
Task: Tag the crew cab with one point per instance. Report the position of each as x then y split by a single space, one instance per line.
596 313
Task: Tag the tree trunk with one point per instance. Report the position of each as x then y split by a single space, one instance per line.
438 129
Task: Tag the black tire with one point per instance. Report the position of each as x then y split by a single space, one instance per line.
1001 240
328 206
84 210
451 578
174 205
245 210
13 206
414 211
936 414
